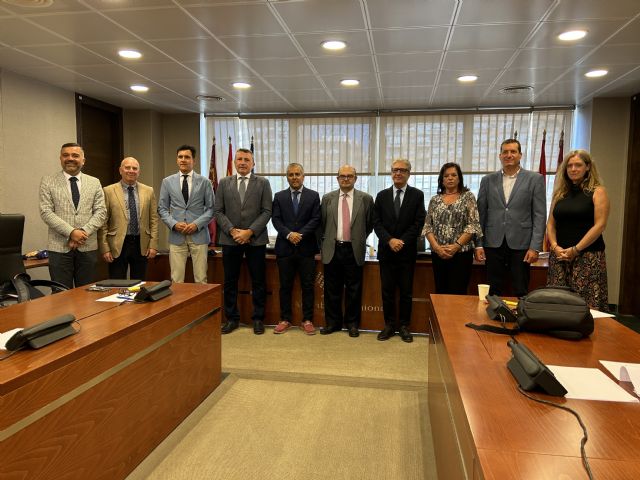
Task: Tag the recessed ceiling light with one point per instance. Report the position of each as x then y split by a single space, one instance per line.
572 35
349 82
139 88
596 73
129 53
241 85
334 45
468 78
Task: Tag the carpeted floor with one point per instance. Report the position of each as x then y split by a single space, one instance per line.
299 407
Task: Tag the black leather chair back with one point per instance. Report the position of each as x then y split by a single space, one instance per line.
11 232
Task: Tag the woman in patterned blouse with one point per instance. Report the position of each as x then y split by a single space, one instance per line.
451 224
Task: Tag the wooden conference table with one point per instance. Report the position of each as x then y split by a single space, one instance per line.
484 428
95 404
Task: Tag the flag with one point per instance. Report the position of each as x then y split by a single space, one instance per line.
213 178
254 158
230 160
560 149
542 169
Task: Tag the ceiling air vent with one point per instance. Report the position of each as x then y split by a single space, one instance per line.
517 89
210 98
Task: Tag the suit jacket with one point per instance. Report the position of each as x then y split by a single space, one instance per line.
361 224
406 226
522 220
198 210
253 214
111 235
58 212
306 222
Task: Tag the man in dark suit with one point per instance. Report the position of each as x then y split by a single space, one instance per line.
398 219
296 216
243 209
72 206
347 220
186 207
512 205
130 235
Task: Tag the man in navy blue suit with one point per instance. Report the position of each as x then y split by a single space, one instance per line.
296 216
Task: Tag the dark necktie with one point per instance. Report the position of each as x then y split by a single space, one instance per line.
242 189
396 203
134 229
346 219
75 193
295 201
185 188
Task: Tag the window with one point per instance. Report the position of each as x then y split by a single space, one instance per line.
370 143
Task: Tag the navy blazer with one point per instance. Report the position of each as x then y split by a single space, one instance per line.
305 222
406 227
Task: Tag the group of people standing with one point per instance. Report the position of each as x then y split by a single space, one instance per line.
504 227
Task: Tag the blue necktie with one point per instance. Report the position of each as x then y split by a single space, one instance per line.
295 201
134 228
75 193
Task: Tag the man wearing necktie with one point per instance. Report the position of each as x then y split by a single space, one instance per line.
243 209
399 215
130 235
296 216
72 205
347 220
186 207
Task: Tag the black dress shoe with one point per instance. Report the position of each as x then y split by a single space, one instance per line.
386 333
258 327
229 327
405 335
329 330
353 332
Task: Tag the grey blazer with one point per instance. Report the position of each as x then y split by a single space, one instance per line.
361 224
198 210
58 212
253 214
522 220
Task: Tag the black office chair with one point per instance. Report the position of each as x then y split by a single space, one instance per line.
15 283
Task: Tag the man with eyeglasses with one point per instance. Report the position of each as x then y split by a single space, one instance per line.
347 220
398 219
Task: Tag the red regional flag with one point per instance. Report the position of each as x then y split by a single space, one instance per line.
561 149
230 160
213 178
542 169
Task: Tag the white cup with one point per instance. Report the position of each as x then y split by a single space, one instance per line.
483 291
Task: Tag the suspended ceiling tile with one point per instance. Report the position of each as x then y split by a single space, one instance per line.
321 15
66 55
311 43
220 69
278 66
344 66
502 11
193 49
597 32
595 9
489 37
237 19
410 13
258 47
409 40
408 61
289 84
83 27
549 57
17 32
477 60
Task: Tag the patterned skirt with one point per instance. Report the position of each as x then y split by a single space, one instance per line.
586 275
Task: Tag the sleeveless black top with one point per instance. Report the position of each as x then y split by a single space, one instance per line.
574 216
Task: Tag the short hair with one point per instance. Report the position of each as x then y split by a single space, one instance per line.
511 140
187 147
245 150
71 144
295 164
445 167
402 160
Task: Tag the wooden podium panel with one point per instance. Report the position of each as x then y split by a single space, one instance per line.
96 404
372 315
484 428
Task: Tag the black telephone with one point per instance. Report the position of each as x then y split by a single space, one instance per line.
154 293
531 373
43 333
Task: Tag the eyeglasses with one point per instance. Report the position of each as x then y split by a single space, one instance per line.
346 177
399 170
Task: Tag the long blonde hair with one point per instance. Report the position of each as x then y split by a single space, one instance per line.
589 183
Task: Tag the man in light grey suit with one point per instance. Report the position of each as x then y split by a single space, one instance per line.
186 207
512 206
347 220
72 205
243 209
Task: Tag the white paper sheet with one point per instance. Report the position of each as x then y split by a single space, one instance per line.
599 314
590 384
624 372
116 298
5 336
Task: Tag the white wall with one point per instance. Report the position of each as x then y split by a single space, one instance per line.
35 120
